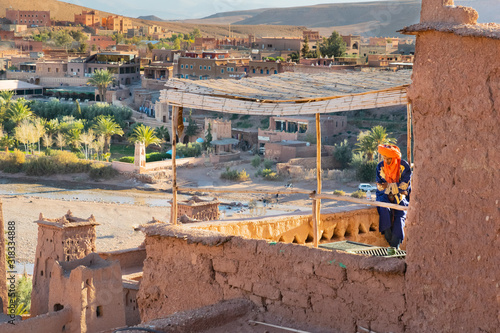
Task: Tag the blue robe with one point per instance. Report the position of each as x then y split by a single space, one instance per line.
393 231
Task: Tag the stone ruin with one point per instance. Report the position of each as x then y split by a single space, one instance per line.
196 209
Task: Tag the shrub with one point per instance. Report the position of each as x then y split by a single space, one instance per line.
153 157
102 171
269 174
268 164
235 175
41 166
13 163
189 150
256 161
359 194
127 159
366 171
338 192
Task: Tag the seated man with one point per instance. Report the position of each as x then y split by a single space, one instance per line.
393 186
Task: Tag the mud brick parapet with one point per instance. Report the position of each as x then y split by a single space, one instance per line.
187 269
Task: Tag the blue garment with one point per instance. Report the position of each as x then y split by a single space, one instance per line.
392 221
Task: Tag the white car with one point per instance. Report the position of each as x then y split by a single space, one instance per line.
367 187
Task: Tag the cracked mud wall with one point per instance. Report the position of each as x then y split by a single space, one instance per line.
452 280
188 269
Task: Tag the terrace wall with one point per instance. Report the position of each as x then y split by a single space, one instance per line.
188 268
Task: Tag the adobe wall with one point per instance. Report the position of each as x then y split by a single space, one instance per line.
128 258
452 281
188 268
3 263
358 225
51 322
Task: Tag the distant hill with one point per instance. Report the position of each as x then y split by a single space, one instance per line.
150 18
378 18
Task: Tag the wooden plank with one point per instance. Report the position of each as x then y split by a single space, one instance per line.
248 190
317 202
173 210
359 201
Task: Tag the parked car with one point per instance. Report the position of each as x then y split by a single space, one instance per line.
367 187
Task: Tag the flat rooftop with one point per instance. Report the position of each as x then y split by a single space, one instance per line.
16 84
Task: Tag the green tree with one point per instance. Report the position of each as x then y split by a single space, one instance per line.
118 38
64 39
145 135
379 136
333 45
78 110
163 133
19 111
305 48
192 127
196 33
294 56
368 141
177 44
208 137
106 126
101 79
343 154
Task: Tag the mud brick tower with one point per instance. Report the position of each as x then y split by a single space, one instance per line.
64 239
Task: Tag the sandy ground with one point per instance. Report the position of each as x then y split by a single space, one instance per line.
118 220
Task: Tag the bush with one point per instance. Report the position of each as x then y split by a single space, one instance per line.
102 171
127 159
41 166
366 171
338 192
269 174
256 161
153 157
13 163
189 150
235 175
59 162
268 164
359 194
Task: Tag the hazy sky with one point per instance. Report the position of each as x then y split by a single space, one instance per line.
186 9
489 10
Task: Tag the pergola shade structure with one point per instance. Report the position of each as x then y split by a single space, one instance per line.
290 94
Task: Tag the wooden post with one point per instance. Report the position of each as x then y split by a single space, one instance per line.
408 126
317 202
173 210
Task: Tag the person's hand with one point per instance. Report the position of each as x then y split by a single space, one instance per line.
382 185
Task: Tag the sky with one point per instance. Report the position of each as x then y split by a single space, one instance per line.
489 10
189 9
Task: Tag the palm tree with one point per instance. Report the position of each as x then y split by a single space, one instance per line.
18 111
163 133
368 141
107 126
365 145
145 135
101 79
379 136
73 138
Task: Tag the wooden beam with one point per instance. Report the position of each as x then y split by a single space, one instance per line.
316 216
408 126
219 190
173 211
358 201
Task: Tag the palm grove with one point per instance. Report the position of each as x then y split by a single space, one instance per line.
65 137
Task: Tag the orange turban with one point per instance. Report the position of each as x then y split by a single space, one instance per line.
392 171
